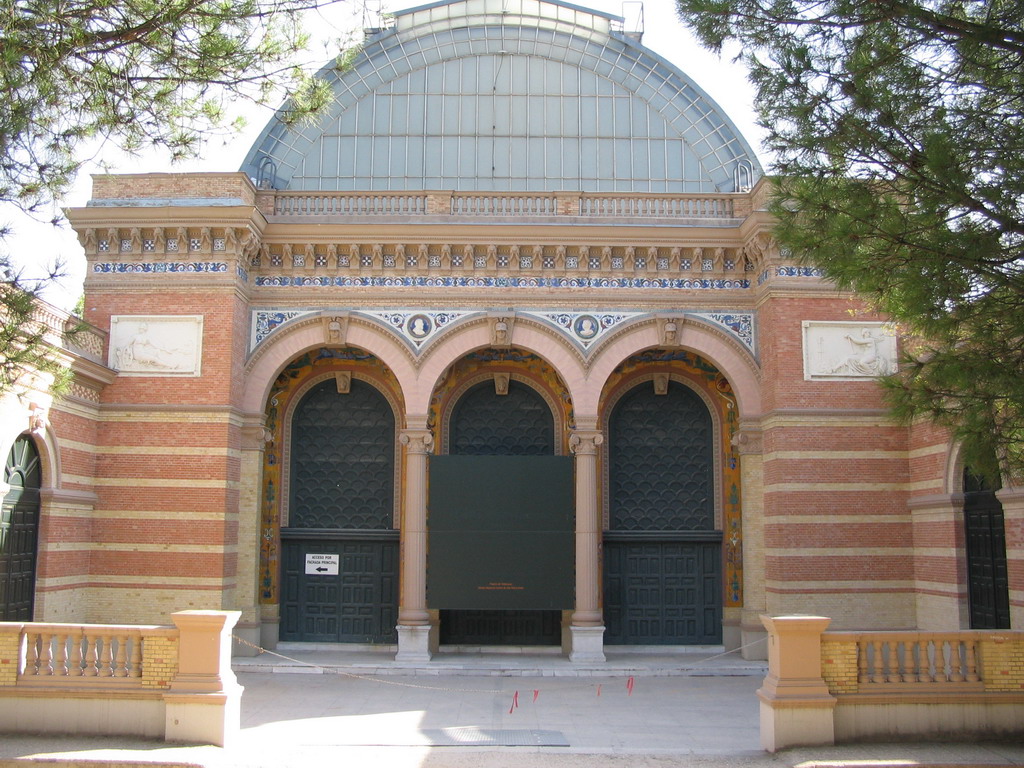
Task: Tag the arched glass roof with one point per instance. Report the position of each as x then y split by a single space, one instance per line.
499 95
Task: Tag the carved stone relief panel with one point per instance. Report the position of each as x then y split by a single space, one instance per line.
841 351
156 345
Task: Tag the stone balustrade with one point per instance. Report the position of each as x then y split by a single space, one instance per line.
76 650
294 203
833 687
173 682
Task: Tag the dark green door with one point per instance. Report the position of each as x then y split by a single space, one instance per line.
19 531
341 511
485 423
988 583
662 554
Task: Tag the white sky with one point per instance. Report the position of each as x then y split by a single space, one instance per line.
35 244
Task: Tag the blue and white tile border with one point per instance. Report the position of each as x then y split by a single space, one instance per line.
418 326
282 281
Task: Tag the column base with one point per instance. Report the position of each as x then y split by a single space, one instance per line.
587 645
413 642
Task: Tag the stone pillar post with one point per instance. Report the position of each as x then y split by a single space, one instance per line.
203 704
255 437
749 446
587 629
796 707
1012 499
413 617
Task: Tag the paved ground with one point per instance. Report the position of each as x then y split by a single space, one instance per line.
460 712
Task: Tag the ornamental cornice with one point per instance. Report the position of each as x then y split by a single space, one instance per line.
644 264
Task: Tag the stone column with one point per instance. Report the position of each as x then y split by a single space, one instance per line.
413 617
255 437
749 446
587 629
1012 499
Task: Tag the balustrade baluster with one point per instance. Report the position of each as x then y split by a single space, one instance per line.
941 668
32 654
75 667
879 676
121 660
893 659
956 673
924 662
862 662
972 661
909 666
45 654
136 665
106 668
90 657
62 656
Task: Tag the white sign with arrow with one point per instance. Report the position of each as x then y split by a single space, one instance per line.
322 565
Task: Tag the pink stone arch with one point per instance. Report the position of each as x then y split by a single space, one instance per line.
738 366
283 347
548 344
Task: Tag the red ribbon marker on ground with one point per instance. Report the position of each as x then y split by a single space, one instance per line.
629 686
515 702
536 693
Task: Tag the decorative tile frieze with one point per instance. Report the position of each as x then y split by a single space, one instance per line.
159 266
265 321
739 324
707 284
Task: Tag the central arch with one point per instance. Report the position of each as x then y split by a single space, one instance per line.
501 417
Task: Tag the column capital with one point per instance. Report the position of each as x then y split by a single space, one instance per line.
748 440
585 442
417 440
255 437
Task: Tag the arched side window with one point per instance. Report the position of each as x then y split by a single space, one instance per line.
19 531
342 459
987 578
661 475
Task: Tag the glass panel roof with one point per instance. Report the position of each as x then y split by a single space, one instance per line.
498 95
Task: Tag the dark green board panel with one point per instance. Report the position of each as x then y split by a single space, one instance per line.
501 533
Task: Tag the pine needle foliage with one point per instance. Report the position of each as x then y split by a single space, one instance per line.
897 132
139 73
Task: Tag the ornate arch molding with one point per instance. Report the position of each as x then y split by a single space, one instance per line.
954 479
477 333
720 348
286 440
313 332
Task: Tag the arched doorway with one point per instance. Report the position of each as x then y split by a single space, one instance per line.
662 552
987 581
19 531
339 545
510 419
